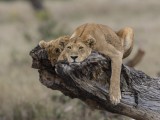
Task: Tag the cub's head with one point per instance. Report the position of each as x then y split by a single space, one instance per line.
76 50
54 47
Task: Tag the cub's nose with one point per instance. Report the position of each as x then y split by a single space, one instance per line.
74 57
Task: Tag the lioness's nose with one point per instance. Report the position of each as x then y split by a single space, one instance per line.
74 57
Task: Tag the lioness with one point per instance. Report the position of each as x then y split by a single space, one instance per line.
54 47
116 45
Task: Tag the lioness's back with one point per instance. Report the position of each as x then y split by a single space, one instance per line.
110 36
99 31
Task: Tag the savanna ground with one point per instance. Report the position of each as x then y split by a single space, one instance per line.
22 96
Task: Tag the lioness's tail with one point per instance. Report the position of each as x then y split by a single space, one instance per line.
126 35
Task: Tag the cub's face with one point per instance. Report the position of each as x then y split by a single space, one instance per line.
53 50
76 51
54 47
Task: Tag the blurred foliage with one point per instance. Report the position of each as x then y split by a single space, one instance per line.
27 111
12 0
7 0
42 15
51 29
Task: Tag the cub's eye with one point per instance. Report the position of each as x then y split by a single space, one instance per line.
57 50
69 47
80 47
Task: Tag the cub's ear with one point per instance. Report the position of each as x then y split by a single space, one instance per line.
43 44
63 41
90 41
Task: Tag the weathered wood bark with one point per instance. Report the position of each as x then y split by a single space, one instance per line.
89 82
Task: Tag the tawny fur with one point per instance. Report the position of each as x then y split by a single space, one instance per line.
116 45
54 47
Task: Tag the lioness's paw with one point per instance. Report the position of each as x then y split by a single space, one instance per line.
115 97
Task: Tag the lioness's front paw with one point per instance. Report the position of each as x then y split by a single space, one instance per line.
115 97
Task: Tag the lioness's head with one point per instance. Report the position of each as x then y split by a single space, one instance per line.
54 47
76 50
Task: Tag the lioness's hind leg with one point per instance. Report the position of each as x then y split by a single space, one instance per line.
126 36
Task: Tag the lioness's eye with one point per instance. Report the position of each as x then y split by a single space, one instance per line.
57 50
80 47
69 47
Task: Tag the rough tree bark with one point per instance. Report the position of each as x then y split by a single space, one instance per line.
89 82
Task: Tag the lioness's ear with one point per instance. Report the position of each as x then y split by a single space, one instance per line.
63 41
43 44
90 41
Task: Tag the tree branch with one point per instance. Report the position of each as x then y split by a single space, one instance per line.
89 82
136 59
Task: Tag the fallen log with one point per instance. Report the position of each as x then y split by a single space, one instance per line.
89 82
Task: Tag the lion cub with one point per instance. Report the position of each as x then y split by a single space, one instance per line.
54 47
116 45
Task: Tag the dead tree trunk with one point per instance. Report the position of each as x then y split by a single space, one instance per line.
89 82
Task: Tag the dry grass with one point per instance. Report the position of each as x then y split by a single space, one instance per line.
21 94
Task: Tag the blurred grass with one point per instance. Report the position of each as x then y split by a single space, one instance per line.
22 97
